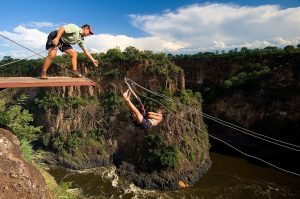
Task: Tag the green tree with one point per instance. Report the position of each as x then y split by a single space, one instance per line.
114 55
132 54
156 154
19 120
289 49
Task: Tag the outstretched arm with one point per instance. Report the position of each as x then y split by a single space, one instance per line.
131 106
88 54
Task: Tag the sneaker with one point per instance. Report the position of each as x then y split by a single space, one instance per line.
43 75
75 73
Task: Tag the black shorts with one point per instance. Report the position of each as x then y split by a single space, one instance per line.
62 46
145 124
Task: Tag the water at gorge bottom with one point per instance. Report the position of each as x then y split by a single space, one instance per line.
229 177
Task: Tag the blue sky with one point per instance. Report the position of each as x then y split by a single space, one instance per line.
178 26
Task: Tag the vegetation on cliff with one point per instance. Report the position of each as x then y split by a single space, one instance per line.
18 118
257 89
225 72
91 130
244 52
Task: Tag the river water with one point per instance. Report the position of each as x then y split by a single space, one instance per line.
229 177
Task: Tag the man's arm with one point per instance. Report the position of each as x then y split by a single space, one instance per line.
60 32
88 54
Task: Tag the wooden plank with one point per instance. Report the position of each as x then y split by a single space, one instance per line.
24 82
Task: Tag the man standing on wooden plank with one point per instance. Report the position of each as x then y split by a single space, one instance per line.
62 39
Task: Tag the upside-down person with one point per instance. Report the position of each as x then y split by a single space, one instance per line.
62 39
146 121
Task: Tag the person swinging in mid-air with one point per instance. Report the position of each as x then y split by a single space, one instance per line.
142 120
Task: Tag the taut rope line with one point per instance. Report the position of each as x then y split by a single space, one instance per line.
251 156
235 127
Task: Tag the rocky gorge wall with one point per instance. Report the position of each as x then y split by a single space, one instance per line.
18 179
213 71
99 131
268 105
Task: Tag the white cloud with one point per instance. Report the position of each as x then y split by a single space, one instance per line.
103 42
41 24
194 28
33 39
1 55
223 26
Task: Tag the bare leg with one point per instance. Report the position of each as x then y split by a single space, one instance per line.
73 55
137 115
154 117
48 61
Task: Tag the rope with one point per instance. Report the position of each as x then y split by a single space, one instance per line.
227 124
13 62
126 81
241 129
87 79
251 156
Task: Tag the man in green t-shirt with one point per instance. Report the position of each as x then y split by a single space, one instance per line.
62 39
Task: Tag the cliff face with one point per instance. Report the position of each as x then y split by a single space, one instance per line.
101 131
18 179
212 72
191 142
269 105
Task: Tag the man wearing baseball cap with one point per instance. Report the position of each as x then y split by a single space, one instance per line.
62 39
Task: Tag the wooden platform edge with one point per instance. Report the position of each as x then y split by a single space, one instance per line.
45 83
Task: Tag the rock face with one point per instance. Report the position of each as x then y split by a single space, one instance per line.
211 72
121 141
18 179
269 106
192 142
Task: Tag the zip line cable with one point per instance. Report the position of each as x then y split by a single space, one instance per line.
87 79
206 115
140 101
230 125
248 155
13 62
210 116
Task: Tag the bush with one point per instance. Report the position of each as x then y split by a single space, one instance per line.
113 73
111 100
253 72
26 150
19 120
62 191
132 54
49 101
114 55
2 113
75 102
156 155
54 101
